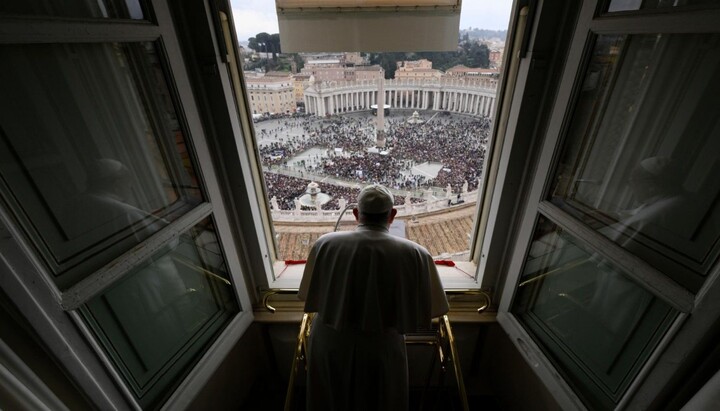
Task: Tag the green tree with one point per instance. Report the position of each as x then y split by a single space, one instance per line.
274 41
388 61
299 62
263 40
478 55
253 44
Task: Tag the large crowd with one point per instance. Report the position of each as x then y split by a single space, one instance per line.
457 144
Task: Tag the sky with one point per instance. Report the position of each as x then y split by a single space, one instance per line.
255 16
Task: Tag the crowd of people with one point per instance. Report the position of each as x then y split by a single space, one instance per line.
457 144
285 189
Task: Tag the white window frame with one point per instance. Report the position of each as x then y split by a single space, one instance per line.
484 220
51 311
697 312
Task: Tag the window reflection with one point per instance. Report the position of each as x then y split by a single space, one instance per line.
157 319
642 150
118 9
629 5
93 158
595 323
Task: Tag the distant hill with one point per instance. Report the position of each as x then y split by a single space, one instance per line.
483 34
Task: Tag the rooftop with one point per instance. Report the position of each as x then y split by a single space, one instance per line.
441 233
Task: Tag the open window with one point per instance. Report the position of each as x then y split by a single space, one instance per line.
618 243
438 126
108 185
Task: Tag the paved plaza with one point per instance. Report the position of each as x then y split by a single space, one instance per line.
442 150
296 158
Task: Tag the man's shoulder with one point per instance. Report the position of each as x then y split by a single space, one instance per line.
378 237
336 235
412 244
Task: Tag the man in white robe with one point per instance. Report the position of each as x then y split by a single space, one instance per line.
368 289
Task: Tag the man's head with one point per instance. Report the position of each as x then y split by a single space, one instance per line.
375 205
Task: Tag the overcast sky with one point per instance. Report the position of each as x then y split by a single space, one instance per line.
255 16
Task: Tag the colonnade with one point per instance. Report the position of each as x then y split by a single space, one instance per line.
465 97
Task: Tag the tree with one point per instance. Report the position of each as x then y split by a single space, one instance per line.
478 55
388 61
299 62
274 41
263 39
253 44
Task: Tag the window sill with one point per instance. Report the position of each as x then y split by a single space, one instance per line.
463 308
459 277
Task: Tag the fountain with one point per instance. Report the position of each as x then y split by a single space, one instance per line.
313 197
415 119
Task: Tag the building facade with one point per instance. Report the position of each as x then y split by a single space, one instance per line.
299 83
467 96
271 95
461 71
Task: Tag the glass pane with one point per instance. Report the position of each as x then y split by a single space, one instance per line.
628 5
594 323
93 159
116 9
158 320
642 154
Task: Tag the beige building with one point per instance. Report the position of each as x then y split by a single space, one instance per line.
417 69
369 72
415 64
404 73
354 58
496 57
463 71
326 71
299 83
271 94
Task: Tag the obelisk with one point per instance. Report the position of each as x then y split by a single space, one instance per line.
380 128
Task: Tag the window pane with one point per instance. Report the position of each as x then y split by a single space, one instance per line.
93 159
628 5
158 320
117 9
594 323
642 154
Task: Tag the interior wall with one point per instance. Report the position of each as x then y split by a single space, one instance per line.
238 377
18 336
514 384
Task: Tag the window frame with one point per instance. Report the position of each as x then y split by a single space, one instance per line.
697 311
485 275
53 312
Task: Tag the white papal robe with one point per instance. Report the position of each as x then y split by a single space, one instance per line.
368 289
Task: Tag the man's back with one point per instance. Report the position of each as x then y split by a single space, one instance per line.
369 280
368 288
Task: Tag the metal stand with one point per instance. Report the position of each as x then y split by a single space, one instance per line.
444 340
